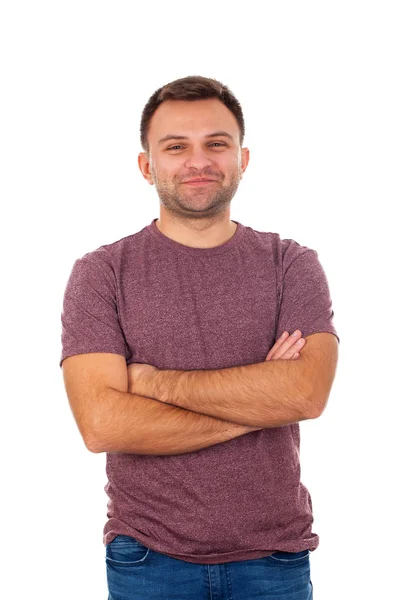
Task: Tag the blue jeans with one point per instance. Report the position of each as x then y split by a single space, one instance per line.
135 572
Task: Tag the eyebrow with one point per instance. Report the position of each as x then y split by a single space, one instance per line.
185 137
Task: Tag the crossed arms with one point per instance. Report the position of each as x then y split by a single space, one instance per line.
267 394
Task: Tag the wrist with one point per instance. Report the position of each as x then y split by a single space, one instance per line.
141 379
164 385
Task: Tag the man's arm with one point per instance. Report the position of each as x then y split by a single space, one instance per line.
110 419
138 425
268 394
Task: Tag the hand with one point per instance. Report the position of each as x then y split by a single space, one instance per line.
287 346
138 375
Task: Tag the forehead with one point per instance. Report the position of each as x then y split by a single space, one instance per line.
192 118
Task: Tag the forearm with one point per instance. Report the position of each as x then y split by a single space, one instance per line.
267 394
130 423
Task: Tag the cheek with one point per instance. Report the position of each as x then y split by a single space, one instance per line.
167 173
230 164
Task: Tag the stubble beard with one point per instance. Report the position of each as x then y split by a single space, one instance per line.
195 202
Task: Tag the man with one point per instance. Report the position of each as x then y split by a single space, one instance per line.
178 364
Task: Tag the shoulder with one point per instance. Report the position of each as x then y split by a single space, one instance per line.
283 250
108 258
291 250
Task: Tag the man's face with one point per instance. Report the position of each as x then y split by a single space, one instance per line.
174 161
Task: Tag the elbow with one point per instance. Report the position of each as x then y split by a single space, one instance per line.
315 394
94 432
99 443
315 405
91 436
92 447
92 444
88 432
87 435
94 439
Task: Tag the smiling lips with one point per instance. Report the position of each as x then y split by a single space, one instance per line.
199 181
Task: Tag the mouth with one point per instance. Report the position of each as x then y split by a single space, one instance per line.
199 182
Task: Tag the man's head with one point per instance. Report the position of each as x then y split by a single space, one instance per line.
207 126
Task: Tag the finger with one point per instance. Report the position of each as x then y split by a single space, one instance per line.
292 343
277 344
276 349
295 348
287 343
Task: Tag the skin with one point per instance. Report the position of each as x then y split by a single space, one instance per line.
196 216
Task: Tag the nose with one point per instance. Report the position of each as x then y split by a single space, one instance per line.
197 158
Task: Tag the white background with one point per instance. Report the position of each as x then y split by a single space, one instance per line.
319 86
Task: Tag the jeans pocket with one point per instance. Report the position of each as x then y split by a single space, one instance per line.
125 551
290 558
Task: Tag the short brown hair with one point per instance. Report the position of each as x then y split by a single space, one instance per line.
193 87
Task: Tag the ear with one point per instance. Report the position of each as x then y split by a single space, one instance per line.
144 166
244 160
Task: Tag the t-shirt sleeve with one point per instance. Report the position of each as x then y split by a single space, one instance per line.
89 318
305 300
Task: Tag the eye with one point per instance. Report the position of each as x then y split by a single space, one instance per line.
179 146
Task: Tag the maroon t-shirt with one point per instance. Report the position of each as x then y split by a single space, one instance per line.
156 301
